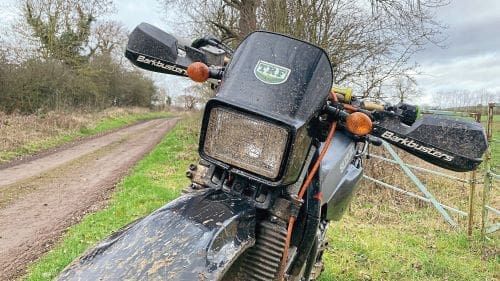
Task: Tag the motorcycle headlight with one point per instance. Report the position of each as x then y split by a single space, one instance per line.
245 142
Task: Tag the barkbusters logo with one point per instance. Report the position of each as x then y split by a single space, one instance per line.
412 144
271 73
160 64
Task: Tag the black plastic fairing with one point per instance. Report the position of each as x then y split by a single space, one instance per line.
295 97
343 193
281 79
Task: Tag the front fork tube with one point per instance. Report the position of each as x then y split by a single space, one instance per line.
306 229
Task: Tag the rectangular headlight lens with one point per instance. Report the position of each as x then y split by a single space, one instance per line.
245 142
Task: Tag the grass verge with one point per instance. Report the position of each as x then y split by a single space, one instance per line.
156 179
495 144
26 135
408 251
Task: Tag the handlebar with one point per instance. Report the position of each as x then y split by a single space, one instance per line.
212 41
357 122
406 112
345 95
371 106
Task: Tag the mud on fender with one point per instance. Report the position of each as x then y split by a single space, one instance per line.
195 237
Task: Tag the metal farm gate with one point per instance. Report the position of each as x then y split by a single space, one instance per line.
484 177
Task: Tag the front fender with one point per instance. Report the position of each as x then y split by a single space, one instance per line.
195 237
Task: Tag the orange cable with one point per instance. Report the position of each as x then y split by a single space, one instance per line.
302 191
350 107
318 161
333 96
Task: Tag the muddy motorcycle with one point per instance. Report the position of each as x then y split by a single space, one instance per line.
281 156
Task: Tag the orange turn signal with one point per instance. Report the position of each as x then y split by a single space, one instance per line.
359 123
198 72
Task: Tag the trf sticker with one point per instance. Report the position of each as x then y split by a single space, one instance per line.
271 73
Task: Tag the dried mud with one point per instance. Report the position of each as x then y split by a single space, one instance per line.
42 197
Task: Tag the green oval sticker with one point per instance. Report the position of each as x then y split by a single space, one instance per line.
271 73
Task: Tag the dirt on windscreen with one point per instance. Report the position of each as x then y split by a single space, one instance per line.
42 196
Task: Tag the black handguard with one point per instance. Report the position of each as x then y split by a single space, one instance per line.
451 143
153 49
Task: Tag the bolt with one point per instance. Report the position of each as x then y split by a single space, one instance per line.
237 187
192 167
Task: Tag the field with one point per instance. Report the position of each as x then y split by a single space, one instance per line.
389 237
384 236
495 148
22 135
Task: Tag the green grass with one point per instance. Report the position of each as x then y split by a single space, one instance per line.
106 124
361 251
402 244
495 144
121 121
156 179
405 245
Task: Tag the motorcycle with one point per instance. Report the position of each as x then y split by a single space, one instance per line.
281 157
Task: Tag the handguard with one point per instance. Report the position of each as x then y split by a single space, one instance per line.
195 237
450 143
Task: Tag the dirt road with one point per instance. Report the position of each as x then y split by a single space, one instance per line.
41 197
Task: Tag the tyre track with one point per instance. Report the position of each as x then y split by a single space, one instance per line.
64 186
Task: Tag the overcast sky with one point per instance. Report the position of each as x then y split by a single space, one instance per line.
471 59
131 13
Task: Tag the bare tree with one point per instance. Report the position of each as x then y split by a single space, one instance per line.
464 99
63 27
188 101
195 94
108 37
399 89
369 42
